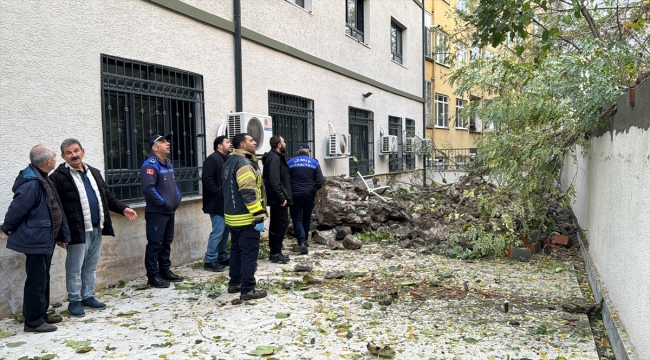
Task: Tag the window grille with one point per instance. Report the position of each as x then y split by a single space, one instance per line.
139 100
293 119
409 159
362 141
395 128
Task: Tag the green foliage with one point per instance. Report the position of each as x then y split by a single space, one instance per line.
373 236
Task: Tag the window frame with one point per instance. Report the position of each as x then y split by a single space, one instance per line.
395 161
396 42
409 159
428 50
174 102
361 125
461 122
428 104
442 43
355 29
442 121
461 54
299 112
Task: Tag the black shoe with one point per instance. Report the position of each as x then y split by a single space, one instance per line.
170 276
45 327
234 289
53 319
253 294
213 266
158 282
279 258
225 262
303 249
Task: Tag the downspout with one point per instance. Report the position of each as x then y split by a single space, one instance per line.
239 106
424 92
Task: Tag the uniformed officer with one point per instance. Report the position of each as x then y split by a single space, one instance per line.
163 198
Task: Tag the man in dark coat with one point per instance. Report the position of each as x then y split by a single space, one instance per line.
306 179
32 225
216 256
278 192
86 203
162 198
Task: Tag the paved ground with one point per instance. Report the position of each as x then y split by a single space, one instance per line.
417 306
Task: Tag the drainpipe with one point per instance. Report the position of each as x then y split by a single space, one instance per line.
424 91
239 106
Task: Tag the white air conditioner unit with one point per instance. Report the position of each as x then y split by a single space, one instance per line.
388 145
412 145
337 145
427 146
260 127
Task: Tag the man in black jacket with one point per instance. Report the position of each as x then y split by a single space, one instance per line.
86 203
216 256
278 192
33 222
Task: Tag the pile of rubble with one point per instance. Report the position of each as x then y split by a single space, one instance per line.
345 209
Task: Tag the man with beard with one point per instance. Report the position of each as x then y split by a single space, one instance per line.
86 203
216 256
245 211
278 191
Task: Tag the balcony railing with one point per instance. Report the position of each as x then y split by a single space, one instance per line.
462 159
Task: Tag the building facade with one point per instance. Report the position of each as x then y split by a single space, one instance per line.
454 133
112 73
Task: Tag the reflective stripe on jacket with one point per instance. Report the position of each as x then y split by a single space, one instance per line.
243 190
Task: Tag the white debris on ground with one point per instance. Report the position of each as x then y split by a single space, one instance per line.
408 304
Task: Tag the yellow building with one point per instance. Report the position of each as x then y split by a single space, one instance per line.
454 136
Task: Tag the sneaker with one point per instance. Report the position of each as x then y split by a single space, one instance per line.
225 262
213 266
303 249
233 289
45 327
75 309
170 276
91 302
53 319
253 294
279 258
158 282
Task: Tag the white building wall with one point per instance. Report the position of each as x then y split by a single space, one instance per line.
612 203
50 89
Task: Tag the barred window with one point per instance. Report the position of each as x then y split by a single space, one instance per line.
293 119
362 126
409 159
395 128
139 100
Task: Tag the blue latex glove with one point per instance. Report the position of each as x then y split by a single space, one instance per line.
259 227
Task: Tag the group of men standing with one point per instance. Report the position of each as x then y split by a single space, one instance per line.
70 207
236 195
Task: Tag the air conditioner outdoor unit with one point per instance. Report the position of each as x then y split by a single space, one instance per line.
260 127
338 145
388 145
412 145
427 146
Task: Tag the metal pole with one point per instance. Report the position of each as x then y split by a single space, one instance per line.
239 106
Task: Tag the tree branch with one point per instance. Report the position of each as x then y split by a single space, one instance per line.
590 21
560 36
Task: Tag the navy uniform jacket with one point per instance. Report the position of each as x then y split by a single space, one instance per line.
159 186
306 175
